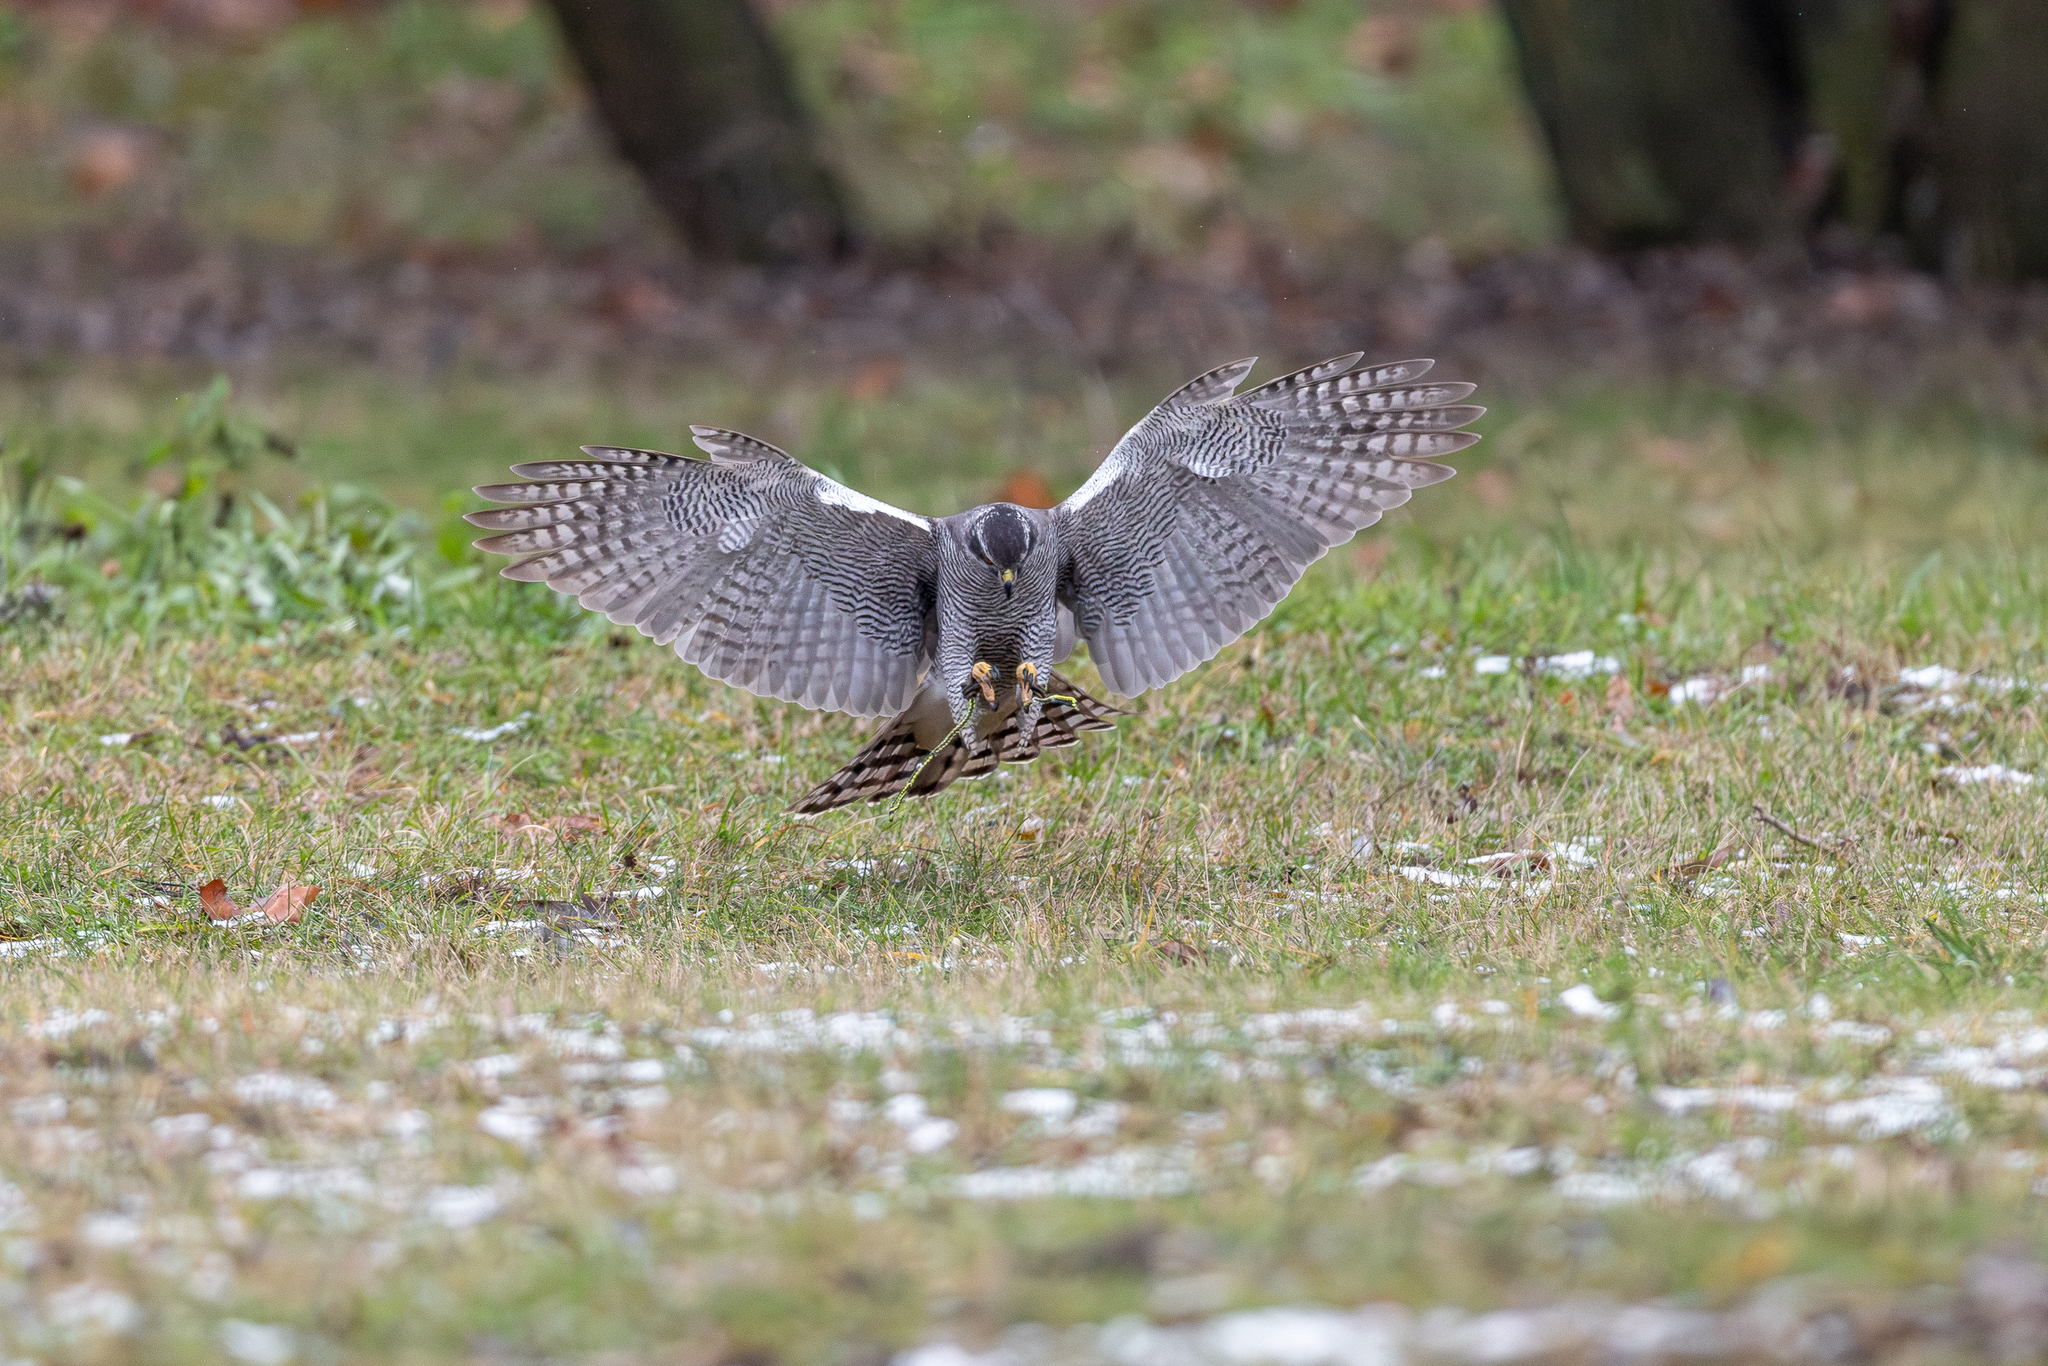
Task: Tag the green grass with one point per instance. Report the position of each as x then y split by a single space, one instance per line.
675 1160
441 129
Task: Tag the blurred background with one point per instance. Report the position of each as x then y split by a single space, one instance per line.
946 247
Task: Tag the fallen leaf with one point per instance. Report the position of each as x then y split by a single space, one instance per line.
1692 868
1512 861
876 379
104 162
1027 489
1621 698
1495 489
1368 555
1178 951
219 905
1385 44
287 901
524 826
518 823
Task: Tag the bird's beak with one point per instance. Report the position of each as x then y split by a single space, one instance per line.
1009 583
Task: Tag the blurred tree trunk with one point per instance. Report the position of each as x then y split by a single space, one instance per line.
1873 64
697 99
1921 121
1984 205
1668 120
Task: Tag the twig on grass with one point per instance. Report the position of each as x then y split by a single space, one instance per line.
1836 846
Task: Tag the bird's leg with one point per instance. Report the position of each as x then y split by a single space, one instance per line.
985 674
1027 684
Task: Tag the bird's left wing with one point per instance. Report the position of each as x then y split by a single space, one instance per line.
759 570
1209 510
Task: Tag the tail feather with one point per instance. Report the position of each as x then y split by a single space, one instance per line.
891 762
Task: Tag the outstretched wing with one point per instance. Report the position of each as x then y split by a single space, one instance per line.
1209 510
760 571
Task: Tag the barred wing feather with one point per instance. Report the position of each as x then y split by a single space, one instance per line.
760 571
1211 508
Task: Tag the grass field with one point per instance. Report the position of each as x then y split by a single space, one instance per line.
434 129
1587 890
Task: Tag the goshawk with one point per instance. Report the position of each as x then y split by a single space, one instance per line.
769 576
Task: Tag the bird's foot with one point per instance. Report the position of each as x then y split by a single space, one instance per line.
985 675
1027 683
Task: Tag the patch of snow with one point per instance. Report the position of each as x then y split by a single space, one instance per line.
1602 1190
1050 1103
1128 1174
283 1088
62 1024
460 1207
258 1344
1972 775
1578 664
923 1133
109 1230
1303 1337
1905 1105
1683 1100
1584 1002
486 734
86 1307
513 1123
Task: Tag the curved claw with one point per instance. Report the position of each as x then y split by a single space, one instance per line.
985 674
1027 683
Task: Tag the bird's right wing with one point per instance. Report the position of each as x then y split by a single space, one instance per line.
1209 510
760 571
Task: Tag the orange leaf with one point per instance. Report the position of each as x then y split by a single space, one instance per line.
573 826
287 901
877 379
219 905
519 825
1027 489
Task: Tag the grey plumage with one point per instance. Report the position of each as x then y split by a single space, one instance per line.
769 576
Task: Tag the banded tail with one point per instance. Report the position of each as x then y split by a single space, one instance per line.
891 761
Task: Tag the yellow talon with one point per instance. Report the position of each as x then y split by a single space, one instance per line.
985 675
1027 683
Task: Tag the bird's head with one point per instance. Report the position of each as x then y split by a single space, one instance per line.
1002 538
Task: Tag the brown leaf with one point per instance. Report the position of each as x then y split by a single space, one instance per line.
1621 698
1178 951
219 905
105 162
1495 489
288 900
1692 868
523 826
519 825
1368 555
1027 489
876 379
1385 44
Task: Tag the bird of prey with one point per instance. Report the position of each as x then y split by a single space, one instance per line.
769 576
